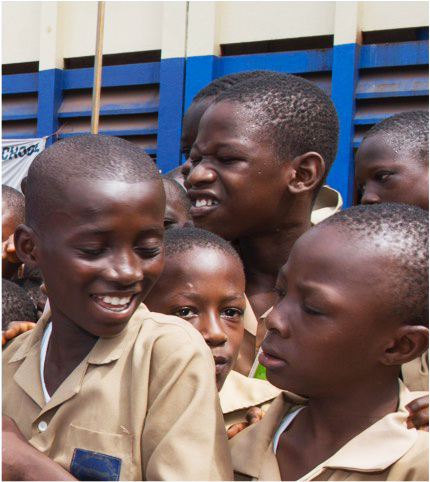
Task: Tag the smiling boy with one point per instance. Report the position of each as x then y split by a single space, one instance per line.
104 394
392 162
352 307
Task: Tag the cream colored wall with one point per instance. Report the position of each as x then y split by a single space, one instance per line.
178 28
253 21
20 31
387 15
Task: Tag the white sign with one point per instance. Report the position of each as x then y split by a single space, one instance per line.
17 156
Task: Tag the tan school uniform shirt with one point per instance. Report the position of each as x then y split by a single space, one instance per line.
240 393
387 450
142 405
415 374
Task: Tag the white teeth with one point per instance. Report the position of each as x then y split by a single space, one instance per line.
115 300
205 202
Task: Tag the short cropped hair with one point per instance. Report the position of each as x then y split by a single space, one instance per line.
181 194
297 116
15 201
16 304
82 157
221 84
181 240
406 132
403 232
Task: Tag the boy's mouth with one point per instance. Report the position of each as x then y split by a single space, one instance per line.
204 202
113 303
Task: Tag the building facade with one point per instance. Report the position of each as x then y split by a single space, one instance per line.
371 57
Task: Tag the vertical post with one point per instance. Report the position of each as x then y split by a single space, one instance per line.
346 49
95 106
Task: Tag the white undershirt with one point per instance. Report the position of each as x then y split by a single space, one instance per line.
284 425
43 348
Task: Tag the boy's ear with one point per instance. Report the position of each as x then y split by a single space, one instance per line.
308 170
409 342
25 245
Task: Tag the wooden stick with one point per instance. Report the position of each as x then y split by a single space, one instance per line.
95 107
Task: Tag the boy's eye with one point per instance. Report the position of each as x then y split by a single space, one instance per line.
91 252
185 312
382 176
232 313
280 293
148 252
311 311
168 223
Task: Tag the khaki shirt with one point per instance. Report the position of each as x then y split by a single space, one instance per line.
142 405
240 393
328 202
415 374
387 450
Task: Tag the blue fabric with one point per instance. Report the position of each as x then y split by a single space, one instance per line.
87 465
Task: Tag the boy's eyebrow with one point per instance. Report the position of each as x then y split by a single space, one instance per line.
195 296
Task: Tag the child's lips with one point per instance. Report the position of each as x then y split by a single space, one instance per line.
114 302
270 360
220 363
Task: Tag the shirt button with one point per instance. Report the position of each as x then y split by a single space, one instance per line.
42 426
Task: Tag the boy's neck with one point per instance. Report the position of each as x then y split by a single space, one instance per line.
326 425
68 346
263 256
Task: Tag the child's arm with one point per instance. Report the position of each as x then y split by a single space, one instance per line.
21 461
419 413
15 328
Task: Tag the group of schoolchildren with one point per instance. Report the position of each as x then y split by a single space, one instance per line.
238 264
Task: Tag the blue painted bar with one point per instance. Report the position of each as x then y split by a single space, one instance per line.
113 76
14 117
396 54
343 83
371 119
110 111
50 97
20 83
172 73
199 71
402 93
21 135
112 132
288 62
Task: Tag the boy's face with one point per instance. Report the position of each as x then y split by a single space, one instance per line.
382 175
8 223
190 125
235 184
101 252
176 214
205 287
333 316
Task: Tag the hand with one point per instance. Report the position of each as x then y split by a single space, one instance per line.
21 461
13 446
15 328
254 415
8 251
419 414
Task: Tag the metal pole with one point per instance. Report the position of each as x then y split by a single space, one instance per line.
95 107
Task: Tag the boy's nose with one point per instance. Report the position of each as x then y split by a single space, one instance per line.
277 321
370 197
210 329
200 173
125 269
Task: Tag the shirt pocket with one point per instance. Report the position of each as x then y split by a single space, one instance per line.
93 455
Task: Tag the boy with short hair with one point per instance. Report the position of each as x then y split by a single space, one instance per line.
353 297
203 283
177 213
391 164
13 209
103 387
263 151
